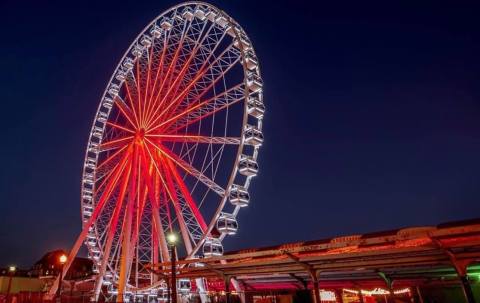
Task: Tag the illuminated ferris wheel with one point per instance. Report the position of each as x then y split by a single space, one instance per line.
173 147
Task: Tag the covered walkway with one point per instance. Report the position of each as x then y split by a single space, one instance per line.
410 258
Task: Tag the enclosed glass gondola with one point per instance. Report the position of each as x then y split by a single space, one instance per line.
212 248
227 224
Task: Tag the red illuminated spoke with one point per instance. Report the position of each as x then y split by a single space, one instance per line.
111 157
157 116
196 139
158 76
188 168
186 65
177 207
112 227
120 127
169 73
186 194
131 101
116 143
231 62
154 196
200 110
126 258
98 209
126 111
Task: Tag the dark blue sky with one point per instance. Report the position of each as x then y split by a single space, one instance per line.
372 122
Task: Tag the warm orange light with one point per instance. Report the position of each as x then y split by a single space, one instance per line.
12 268
63 259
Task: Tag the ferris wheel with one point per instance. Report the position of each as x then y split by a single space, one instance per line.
173 147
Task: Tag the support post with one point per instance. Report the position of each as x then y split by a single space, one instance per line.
467 289
461 269
227 289
389 284
174 274
419 294
316 288
339 295
360 296
9 287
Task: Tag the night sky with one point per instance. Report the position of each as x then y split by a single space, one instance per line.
372 116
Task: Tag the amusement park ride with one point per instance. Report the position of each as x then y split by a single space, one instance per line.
172 149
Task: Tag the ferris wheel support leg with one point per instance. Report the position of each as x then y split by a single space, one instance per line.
202 290
125 260
239 290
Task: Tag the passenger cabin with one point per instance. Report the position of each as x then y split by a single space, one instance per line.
166 24
253 136
91 241
137 50
128 63
239 196
222 21
227 224
248 166
156 31
184 285
88 210
108 102
211 15
102 117
120 76
146 41
200 14
90 163
251 61
254 82
188 13
212 248
255 107
242 42
87 198
114 90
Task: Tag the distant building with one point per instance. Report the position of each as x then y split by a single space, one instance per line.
49 266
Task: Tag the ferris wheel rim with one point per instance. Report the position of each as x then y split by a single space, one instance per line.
238 31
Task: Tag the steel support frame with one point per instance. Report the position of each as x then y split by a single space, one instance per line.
312 272
461 269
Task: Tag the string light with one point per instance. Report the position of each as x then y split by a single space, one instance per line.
327 295
377 291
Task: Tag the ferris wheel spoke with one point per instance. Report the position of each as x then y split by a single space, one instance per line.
170 189
158 74
114 125
98 209
189 169
169 73
111 233
178 210
202 71
111 157
154 196
173 89
202 109
204 80
126 258
186 194
207 50
196 139
128 112
116 143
